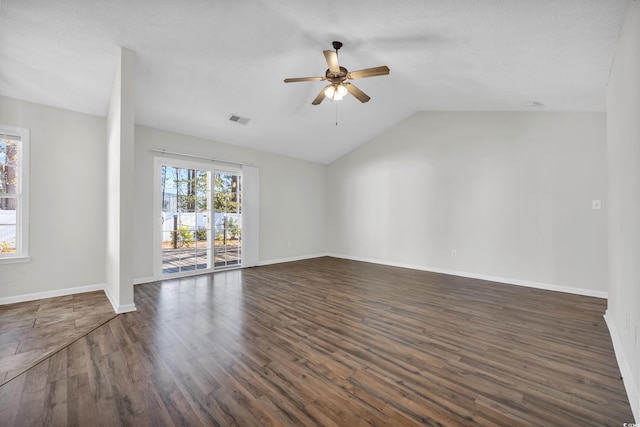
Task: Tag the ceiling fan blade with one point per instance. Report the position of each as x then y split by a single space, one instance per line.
320 96
353 90
332 61
304 79
368 72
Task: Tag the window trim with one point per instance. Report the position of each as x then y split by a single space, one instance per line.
22 219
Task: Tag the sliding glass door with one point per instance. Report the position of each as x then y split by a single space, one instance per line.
200 217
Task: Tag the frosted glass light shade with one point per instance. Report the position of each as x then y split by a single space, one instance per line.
335 92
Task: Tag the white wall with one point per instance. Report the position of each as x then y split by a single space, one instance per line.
67 173
292 197
509 192
623 125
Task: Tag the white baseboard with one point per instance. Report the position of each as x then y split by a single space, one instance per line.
51 294
633 393
143 280
70 291
127 308
518 282
296 258
119 309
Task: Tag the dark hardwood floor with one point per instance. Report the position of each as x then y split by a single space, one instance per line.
336 343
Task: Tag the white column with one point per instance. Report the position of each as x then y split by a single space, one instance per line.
120 140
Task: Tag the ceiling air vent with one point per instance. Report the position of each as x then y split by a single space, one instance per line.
238 119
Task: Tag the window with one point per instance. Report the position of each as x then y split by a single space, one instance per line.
14 200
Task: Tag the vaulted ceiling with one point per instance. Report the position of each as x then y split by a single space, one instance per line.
200 61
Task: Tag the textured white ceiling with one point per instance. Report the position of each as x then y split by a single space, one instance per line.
199 61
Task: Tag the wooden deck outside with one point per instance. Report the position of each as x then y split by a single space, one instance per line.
195 258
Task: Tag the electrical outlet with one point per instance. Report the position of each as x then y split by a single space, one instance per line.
596 204
454 253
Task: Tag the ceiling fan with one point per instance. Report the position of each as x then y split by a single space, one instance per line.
337 75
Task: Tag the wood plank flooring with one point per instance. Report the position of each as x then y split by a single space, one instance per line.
34 330
334 343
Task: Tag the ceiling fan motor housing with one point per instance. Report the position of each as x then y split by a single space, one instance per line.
336 77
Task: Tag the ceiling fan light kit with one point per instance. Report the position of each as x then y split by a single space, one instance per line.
335 92
337 76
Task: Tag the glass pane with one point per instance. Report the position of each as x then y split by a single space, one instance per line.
219 254
224 200
184 230
8 179
169 189
8 235
201 187
9 166
8 209
237 192
9 153
183 198
8 227
202 255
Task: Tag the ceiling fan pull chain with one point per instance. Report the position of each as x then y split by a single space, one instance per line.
336 113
